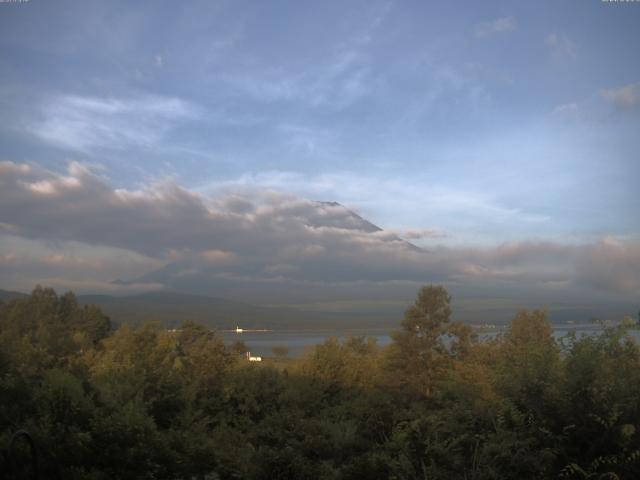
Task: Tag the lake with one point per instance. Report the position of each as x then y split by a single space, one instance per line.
301 341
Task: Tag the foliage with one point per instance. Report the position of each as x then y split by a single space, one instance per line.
428 341
151 403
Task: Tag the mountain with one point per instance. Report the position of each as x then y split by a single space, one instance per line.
352 221
322 264
8 295
171 309
305 252
348 219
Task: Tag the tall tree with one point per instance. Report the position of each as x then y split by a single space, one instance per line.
428 340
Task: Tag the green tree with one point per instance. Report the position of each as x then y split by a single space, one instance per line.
427 341
529 371
44 330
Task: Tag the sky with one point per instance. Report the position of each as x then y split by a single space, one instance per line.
189 145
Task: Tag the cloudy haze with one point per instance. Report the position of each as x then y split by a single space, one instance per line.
324 153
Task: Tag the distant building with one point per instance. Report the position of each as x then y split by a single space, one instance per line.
253 359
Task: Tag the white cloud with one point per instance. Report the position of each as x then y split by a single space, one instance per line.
400 201
336 79
499 25
568 110
87 123
560 46
602 106
417 234
25 262
335 83
626 97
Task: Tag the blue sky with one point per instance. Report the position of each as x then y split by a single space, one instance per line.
452 124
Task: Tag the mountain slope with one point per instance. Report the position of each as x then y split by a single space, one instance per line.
317 251
8 295
171 309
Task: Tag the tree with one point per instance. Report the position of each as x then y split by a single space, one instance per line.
530 329
428 340
44 330
429 313
530 363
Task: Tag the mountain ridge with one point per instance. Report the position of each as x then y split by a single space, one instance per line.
300 257
171 309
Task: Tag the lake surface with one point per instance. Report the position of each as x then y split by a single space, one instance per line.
299 342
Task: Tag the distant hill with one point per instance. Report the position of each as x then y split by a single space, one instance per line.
8 294
172 309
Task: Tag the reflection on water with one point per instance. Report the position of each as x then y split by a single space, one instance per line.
298 342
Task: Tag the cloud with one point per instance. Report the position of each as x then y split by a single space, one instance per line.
270 246
399 199
567 110
560 46
493 27
611 265
336 83
416 234
88 123
626 97
336 78
163 216
605 105
25 262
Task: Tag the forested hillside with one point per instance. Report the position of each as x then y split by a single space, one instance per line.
149 403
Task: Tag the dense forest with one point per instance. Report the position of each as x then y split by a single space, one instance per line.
437 403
